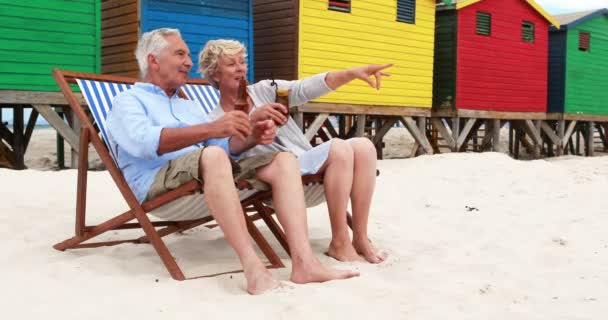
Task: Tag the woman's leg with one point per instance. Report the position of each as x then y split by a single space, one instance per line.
363 184
283 175
338 180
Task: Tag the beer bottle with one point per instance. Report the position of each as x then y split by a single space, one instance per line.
242 99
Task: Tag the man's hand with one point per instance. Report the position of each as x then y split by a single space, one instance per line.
365 72
271 111
264 132
233 123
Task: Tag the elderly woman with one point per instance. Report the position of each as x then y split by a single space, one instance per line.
349 167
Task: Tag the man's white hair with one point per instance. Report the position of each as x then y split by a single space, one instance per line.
152 42
208 58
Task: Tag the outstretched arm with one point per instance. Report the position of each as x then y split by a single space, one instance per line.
336 79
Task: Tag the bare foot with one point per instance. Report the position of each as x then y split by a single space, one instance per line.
344 253
260 281
316 272
369 252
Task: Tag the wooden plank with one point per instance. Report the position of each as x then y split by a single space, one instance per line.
549 132
465 132
415 132
118 40
19 141
585 117
561 127
531 130
365 109
315 125
455 128
58 124
496 127
6 135
386 126
330 128
35 97
589 139
502 115
31 123
568 133
360 131
445 133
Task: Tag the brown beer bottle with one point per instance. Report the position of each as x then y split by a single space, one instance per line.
242 99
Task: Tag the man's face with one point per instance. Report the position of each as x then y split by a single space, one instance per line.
173 64
230 70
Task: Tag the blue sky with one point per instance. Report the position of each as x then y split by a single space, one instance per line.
551 6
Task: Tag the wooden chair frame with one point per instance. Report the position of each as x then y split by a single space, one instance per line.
138 211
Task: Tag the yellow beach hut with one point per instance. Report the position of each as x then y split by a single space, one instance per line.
299 38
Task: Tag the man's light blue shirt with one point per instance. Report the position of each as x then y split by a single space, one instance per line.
134 125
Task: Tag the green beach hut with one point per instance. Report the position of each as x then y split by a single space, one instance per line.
578 63
39 35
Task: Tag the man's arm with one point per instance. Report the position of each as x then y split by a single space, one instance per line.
230 124
336 79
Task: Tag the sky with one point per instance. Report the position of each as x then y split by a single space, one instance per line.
551 6
567 6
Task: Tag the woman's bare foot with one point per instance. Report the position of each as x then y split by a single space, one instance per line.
314 271
344 252
369 252
260 280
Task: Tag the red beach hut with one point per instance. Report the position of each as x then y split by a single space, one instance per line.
492 55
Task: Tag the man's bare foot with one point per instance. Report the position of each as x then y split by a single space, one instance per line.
316 272
369 252
260 280
344 252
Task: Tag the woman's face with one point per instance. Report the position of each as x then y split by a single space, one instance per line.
230 70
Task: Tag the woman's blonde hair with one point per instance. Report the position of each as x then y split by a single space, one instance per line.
208 58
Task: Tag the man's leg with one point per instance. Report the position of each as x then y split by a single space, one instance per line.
364 181
222 198
288 198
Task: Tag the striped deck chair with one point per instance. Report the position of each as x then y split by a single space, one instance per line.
98 91
208 97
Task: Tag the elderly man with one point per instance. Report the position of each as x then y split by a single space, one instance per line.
162 141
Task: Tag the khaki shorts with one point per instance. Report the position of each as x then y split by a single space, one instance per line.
185 168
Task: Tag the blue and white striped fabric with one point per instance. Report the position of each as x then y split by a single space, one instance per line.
99 96
206 96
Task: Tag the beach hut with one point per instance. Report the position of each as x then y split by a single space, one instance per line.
39 35
299 38
492 55
578 63
199 21
35 37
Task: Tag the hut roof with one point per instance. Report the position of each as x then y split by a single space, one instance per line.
571 20
459 4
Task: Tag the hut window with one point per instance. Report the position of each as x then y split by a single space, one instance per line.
584 41
527 31
406 11
484 23
339 5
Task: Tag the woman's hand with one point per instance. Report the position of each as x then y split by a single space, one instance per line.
271 111
366 72
336 79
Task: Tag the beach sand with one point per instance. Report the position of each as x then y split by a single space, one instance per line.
470 236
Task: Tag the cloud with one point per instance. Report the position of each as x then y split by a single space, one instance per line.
562 6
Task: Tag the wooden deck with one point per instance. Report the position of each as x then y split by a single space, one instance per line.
15 141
